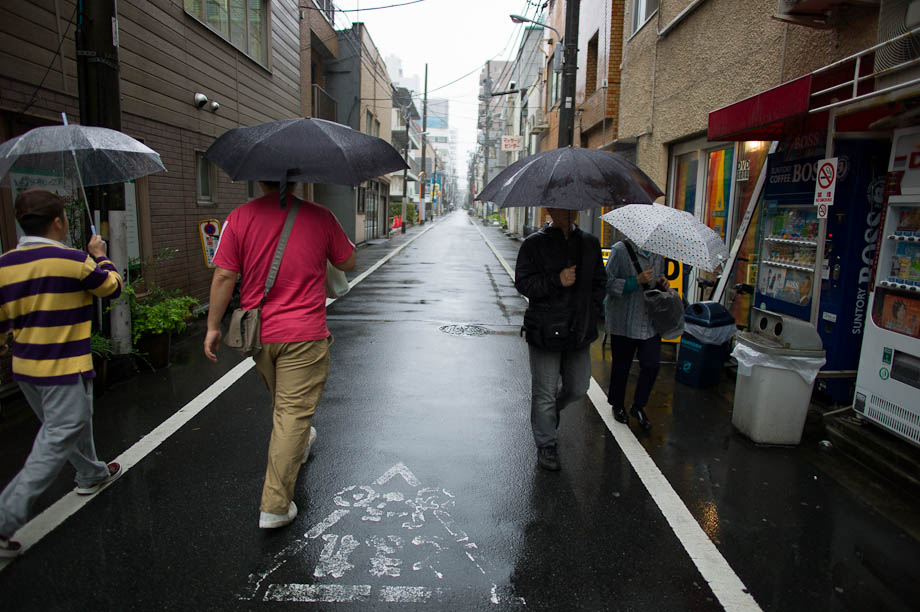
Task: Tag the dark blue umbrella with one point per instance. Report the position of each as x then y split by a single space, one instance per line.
303 150
573 178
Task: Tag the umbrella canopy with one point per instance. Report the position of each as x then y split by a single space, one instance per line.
571 177
670 232
303 150
96 155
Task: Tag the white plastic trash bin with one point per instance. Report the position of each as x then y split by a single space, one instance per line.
778 362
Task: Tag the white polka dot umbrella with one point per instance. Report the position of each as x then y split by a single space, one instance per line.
670 232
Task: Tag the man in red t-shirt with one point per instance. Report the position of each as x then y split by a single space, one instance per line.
294 360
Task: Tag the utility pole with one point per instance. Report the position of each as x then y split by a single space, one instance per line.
422 183
488 128
408 118
100 105
569 68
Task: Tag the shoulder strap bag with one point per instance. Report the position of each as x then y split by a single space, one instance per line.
243 335
665 308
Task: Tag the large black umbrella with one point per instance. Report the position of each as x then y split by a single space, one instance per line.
303 150
573 178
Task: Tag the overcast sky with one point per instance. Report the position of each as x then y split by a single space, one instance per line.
454 37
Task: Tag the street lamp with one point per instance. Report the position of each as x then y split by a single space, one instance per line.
569 66
522 19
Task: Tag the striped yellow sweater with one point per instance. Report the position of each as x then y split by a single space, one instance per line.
46 300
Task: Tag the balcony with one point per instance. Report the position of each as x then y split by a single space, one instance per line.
324 105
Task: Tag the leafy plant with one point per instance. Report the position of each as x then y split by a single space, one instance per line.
158 310
100 346
167 315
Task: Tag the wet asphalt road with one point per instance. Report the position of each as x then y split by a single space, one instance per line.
423 491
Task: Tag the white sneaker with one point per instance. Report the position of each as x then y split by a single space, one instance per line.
306 452
273 521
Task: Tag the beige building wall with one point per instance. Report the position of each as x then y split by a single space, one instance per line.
722 52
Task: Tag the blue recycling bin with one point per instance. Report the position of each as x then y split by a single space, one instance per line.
704 345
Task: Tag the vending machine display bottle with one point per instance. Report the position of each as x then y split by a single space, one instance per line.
888 381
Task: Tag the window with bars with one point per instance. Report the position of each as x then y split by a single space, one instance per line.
242 23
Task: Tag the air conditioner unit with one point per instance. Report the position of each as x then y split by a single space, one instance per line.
540 122
897 17
814 13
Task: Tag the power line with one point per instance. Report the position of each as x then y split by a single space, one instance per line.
48 69
373 8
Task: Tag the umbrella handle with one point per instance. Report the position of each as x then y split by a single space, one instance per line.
89 212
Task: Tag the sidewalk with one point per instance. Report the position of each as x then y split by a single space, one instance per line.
758 502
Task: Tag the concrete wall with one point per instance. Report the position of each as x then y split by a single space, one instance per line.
724 51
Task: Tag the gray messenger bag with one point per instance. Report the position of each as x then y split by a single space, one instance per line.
243 335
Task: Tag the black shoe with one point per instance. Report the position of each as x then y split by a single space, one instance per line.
619 414
547 458
640 416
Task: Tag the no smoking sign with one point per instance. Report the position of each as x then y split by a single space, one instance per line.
822 211
826 184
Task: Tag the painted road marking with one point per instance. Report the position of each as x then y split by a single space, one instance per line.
416 531
722 579
43 524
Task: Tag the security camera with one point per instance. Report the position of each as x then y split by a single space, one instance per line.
511 84
214 106
200 100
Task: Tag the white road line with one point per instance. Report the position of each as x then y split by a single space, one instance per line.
43 524
725 584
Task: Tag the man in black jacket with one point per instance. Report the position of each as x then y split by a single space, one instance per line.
560 270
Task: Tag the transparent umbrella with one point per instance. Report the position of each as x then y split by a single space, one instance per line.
95 155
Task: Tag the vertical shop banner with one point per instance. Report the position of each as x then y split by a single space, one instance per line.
718 189
209 229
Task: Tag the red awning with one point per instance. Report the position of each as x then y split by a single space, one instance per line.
780 112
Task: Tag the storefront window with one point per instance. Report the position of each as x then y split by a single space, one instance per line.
751 159
685 178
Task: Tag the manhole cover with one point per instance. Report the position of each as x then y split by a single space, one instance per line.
464 330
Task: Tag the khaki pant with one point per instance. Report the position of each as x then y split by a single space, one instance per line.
295 374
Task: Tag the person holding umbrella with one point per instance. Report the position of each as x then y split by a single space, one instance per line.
46 301
560 270
627 321
294 359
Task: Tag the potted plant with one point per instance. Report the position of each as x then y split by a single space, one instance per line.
101 350
154 320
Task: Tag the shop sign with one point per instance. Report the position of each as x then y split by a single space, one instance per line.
512 143
743 170
826 182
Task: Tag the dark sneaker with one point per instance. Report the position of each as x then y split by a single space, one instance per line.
640 416
114 473
619 415
9 548
547 458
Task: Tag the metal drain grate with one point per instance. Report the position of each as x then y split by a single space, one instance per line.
463 330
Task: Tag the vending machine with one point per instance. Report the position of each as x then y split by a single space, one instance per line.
789 243
888 381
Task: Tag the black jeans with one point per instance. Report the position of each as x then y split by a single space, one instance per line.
622 350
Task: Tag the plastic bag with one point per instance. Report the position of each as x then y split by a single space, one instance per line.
336 282
806 367
711 335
